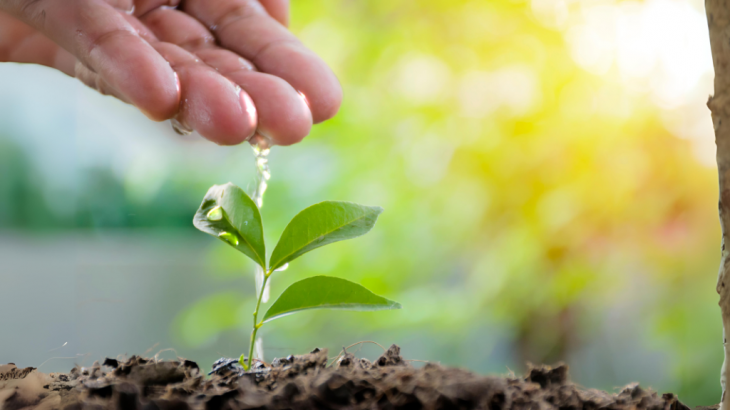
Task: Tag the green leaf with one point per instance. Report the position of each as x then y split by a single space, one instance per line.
326 292
229 214
322 224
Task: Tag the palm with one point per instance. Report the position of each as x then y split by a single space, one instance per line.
225 68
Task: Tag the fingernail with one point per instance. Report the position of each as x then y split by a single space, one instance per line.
250 110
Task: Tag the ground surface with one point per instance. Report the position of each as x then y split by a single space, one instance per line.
307 382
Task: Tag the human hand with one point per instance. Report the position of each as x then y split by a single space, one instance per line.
226 68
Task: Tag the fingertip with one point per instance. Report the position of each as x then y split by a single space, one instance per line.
218 109
238 129
250 118
278 10
160 98
328 103
308 74
283 117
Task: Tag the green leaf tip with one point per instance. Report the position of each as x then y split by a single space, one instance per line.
326 292
322 224
228 213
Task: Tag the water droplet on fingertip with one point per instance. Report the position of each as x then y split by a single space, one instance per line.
180 128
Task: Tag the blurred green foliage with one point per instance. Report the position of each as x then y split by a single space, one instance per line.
521 193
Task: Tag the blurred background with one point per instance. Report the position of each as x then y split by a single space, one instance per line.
546 169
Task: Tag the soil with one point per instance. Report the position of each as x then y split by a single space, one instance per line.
307 382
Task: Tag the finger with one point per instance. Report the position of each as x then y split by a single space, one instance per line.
278 9
283 116
106 43
244 26
211 104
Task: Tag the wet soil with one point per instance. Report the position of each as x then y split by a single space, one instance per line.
308 382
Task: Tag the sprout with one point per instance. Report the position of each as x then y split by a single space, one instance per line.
228 213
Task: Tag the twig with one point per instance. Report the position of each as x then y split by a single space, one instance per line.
718 20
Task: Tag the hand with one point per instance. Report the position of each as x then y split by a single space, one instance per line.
226 68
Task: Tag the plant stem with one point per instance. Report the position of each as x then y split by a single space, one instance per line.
718 20
256 325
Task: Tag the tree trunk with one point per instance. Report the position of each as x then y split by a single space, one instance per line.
718 20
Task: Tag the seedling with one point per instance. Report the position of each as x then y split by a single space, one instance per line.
229 214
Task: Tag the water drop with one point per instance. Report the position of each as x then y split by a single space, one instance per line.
229 237
215 214
283 267
180 128
261 148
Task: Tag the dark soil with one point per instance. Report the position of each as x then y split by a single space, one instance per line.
306 382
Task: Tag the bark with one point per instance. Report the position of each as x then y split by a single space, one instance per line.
718 20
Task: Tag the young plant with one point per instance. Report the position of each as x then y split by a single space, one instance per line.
229 214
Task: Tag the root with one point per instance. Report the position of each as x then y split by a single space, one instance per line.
344 349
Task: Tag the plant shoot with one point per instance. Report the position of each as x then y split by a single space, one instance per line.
229 214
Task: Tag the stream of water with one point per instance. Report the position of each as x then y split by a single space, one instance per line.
261 150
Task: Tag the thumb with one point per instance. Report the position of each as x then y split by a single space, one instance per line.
107 44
